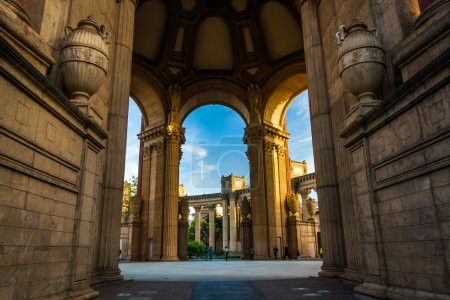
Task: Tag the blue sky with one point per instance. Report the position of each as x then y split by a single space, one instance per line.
214 145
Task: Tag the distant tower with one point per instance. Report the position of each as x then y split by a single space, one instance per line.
232 183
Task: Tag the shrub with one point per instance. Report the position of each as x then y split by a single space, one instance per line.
196 249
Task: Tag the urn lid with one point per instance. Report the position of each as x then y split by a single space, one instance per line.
355 25
88 23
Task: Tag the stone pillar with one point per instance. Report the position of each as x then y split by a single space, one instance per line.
272 192
108 260
254 135
153 241
134 228
174 139
246 224
292 236
183 229
212 222
233 223
225 224
304 210
198 223
324 153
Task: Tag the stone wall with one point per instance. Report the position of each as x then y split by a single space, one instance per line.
49 175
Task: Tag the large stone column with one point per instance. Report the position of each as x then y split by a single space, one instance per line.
246 228
324 152
233 223
254 135
174 139
183 229
107 266
212 222
198 223
225 224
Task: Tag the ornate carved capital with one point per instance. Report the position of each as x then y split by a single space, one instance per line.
175 133
146 151
254 134
158 147
281 151
269 147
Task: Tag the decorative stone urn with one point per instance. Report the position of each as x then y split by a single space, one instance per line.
245 208
311 207
135 207
84 59
293 204
361 65
183 208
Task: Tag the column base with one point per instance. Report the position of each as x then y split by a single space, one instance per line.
352 275
106 276
262 257
170 258
83 294
331 272
389 292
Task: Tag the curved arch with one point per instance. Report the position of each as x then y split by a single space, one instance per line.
215 92
281 97
147 98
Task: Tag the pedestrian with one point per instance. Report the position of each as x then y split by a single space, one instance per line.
275 252
226 253
210 253
298 254
286 253
252 254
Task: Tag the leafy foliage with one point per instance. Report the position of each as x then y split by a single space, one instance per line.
129 191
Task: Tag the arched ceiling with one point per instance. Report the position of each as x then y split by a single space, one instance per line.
245 41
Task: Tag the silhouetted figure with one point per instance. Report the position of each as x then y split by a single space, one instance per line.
226 253
286 253
210 253
252 254
275 252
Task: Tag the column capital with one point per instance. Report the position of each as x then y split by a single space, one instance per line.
254 134
198 208
212 206
175 133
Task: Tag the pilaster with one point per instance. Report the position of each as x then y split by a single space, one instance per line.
212 229
108 260
233 223
334 259
254 135
225 224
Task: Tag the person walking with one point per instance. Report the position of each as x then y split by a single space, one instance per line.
226 253
210 253
252 254
286 253
275 252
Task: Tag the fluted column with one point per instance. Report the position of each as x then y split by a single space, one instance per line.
198 223
108 259
254 135
174 139
212 222
323 144
225 224
233 223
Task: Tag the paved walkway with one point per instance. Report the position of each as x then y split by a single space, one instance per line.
217 280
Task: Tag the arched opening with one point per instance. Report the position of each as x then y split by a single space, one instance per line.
214 166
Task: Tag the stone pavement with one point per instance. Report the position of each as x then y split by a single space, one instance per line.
232 280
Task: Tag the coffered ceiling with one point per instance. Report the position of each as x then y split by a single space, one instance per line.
245 41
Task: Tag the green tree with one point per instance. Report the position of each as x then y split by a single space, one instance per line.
129 191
